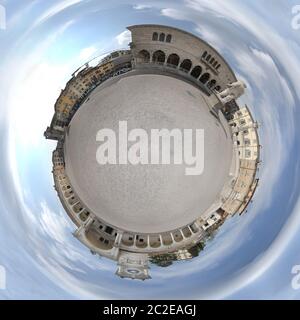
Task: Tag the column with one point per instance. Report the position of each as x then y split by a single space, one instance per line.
161 240
183 236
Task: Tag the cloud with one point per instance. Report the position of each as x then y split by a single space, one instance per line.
87 53
124 38
53 10
142 7
174 13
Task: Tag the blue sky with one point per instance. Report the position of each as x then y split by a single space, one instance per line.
43 43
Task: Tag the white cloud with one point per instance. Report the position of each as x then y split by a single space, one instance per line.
124 38
173 13
53 10
142 6
87 53
34 88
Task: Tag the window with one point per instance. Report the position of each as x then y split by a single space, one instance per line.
109 230
204 54
143 56
204 78
247 153
211 84
169 38
247 142
196 72
159 57
162 37
186 65
173 59
83 216
155 36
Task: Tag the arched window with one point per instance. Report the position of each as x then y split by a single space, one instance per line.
159 57
204 54
211 84
204 78
162 37
169 38
186 65
208 57
218 66
143 56
212 60
155 36
196 72
215 63
218 88
173 59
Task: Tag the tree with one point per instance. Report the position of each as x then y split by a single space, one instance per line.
196 249
163 260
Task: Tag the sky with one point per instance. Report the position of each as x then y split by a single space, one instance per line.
42 43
